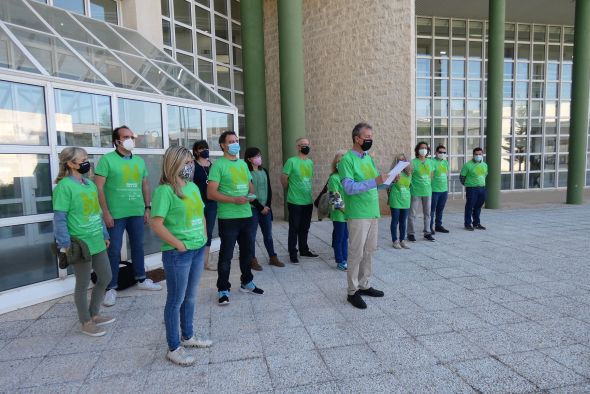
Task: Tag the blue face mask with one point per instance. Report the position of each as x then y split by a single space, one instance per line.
233 149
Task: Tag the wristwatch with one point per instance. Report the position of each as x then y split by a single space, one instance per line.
148 207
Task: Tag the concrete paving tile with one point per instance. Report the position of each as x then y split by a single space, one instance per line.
472 282
320 388
451 346
14 371
29 313
236 348
58 326
375 330
332 335
496 314
297 369
460 319
232 325
532 309
376 384
351 361
13 328
402 353
500 295
126 337
318 316
61 388
76 342
116 384
568 327
432 379
575 389
286 340
496 341
193 379
288 317
114 362
374 308
543 371
22 348
138 317
61 310
575 357
244 376
422 323
491 376
69 368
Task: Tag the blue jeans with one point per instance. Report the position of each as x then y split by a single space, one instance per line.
476 197
399 218
183 272
340 241
210 216
437 205
265 222
230 231
134 227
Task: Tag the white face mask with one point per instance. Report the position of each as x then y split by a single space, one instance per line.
478 157
441 156
128 144
423 152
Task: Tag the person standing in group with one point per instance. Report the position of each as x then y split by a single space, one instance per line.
473 177
399 203
124 196
261 206
360 180
78 219
440 189
297 180
230 184
421 191
337 214
201 178
177 218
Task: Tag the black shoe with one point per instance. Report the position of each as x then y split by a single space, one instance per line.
371 292
411 238
469 228
429 237
309 253
223 300
441 229
479 227
357 301
294 259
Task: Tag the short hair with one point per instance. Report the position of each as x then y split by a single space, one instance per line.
116 132
356 131
337 157
201 144
224 135
440 146
298 140
478 149
417 148
250 153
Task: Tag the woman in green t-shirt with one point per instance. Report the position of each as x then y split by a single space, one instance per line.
399 203
337 214
78 219
178 219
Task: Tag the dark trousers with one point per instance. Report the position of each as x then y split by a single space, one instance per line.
210 216
340 241
476 197
265 223
437 205
399 218
134 227
299 222
230 231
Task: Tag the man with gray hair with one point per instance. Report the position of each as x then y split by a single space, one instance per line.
360 180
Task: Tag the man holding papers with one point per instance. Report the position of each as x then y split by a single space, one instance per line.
360 180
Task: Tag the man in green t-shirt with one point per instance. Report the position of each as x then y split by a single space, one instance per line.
123 193
360 180
297 180
421 190
230 184
473 177
440 189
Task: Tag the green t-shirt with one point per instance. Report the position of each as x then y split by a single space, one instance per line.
122 187
260 182
399 194
363 205
80 202
234 179
182 217
474 173
335 186
421 181
300 173
440 180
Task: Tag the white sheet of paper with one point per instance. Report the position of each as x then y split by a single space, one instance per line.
395 171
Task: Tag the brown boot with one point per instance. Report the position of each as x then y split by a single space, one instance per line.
255 265
274 260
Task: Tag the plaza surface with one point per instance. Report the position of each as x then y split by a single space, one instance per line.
502 310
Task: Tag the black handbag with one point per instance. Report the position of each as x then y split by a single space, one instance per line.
126 277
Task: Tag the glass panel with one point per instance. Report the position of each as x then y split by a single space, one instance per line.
441 68
204 2
474 69
441 127
554 53
108 37
182 11
458 146
522 70
551 91
538 70
148 49
104 10
12 57
236 34
221 28
237 57
537 90
424 46
475 49
459 49
519 181
509 31
440 108
55 57
70 5
239 102
423 108
554 34
548 179
457 107
566 91
238 81
222 52
22 114
184 38
507 89
165 7
458 68
423 127
109 66
536 126
223 78
474 108
522 90
536 145
220 6
459 29
552 71
144 119
26 257
424 26
441 48
217 123
524 52
203 19
539 52
550 126
206 71
187 61
64 24
539 33
457 88
457 127
566 71
524 33
475 30
184 125
204 45
474 89
14 11
509 51
568 35
83 119
441 87
520 126
473 127
235 10
423 87
550 144
441 27
166 35
568 53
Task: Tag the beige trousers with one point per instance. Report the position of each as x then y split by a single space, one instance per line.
362 242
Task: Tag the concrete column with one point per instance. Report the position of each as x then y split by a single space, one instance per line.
254 75
145 16
576 176
497 16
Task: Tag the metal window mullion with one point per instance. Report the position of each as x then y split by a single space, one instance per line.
165 122
23 49
26 219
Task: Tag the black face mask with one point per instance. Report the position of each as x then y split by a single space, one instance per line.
305 150
204 154
84 167
366 145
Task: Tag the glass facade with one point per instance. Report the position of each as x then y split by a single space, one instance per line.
67 80
102 10
451 70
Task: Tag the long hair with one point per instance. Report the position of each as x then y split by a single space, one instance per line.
66 155
418 145
174 159
398 158
336 159
250 153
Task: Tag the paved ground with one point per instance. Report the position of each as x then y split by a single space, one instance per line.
505 310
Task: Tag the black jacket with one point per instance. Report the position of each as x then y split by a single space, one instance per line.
257 203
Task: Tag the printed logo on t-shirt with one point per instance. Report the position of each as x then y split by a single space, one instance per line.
131 175
239 178
368 170
424 170
193 209
89 204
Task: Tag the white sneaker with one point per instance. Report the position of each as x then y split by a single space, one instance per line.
180 357
110 297
148 284
196 342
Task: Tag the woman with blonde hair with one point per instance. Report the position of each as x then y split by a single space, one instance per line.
399 203
337 214
78 219
178 219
